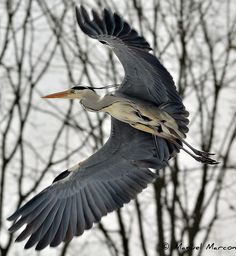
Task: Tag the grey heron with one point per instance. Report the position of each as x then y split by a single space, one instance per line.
149 126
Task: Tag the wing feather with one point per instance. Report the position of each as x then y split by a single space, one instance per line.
88 215
59 236
73 218
145 76
81 225
96 20
119 24
66 219
109 22
97 198
108 199
36 223
103 183
92 205
38 234
25 210
48 237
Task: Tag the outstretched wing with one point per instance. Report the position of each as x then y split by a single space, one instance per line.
145 77
104 182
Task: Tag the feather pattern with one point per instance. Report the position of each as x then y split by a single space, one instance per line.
145 77
75 201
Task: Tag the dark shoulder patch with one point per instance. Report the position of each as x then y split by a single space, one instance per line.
61 176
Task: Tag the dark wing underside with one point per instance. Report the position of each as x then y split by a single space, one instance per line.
145 77
104 182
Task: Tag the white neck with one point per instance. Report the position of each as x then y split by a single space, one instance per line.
93 102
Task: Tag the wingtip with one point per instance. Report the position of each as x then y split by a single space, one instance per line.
26 247
11 230
19 238
39 247
105 12
77 13
94 12
78 7
80 12
12 217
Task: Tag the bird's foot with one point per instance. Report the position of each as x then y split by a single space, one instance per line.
203 153
206 160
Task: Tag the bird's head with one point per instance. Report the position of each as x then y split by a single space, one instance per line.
76 92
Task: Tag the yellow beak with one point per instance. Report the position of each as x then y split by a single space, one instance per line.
65 94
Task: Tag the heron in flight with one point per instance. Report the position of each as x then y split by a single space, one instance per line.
148 127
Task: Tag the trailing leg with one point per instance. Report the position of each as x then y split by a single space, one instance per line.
200 158
196 151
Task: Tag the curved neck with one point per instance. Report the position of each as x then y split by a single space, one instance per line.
93 102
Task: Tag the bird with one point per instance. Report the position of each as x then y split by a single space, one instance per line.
149 123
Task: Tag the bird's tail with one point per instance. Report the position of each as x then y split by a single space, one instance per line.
179 114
